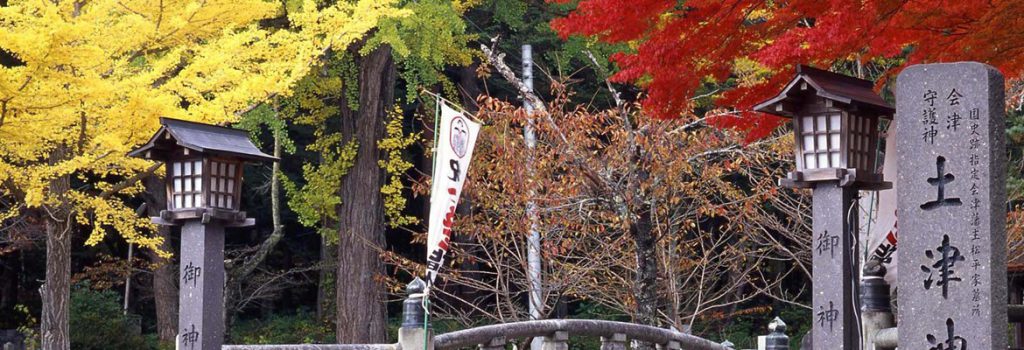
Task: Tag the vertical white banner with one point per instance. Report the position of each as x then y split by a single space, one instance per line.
456 136
881 239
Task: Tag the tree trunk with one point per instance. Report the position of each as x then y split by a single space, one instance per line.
646 279
10 272
56 291
670 260
165 288
165 275
325 286
361 312
325 293
469 84
636 214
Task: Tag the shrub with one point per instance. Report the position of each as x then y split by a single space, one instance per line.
299 328
98 322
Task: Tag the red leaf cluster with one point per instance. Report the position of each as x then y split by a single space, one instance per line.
677 45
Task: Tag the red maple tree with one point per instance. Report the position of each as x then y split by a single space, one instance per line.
677 45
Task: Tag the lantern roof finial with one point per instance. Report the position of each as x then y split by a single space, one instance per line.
205 138
833 86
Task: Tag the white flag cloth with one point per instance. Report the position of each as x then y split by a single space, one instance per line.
881 240
453 150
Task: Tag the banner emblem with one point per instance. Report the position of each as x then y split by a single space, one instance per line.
459 136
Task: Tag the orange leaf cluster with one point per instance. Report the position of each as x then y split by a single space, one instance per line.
677 45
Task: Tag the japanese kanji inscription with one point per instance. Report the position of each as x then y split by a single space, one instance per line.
952 207
201 287
833 273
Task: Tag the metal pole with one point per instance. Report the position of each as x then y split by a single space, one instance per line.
128 280
533 253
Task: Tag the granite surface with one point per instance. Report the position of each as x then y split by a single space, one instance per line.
951 207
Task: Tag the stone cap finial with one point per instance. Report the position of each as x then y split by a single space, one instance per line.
874 268
412 307
416 286
777 326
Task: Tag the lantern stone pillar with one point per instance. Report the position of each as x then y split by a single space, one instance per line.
833 266
201 286
204 180
836 127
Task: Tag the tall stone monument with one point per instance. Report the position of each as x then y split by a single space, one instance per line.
951 207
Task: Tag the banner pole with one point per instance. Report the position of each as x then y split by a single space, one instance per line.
426 291
437 122
426 319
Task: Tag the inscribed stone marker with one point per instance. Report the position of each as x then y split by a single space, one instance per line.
833 275
201 282
951 207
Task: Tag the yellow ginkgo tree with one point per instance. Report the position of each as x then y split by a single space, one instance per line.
85 81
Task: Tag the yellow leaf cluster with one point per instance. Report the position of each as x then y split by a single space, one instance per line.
395 165
92 78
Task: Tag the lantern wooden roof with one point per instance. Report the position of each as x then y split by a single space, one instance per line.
199 137
847 90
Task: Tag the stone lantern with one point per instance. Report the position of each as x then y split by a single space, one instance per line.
204 180
835 121
204 170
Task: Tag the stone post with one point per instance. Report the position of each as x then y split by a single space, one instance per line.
834 266
412 334
777 339
952 207
876 309
201 286
497 343
559 340
616 342
670 345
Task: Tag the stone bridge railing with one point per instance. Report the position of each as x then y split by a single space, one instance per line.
554 333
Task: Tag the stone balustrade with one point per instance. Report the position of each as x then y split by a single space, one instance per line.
554 334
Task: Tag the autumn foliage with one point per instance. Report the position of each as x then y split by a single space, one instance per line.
678 46
659 220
